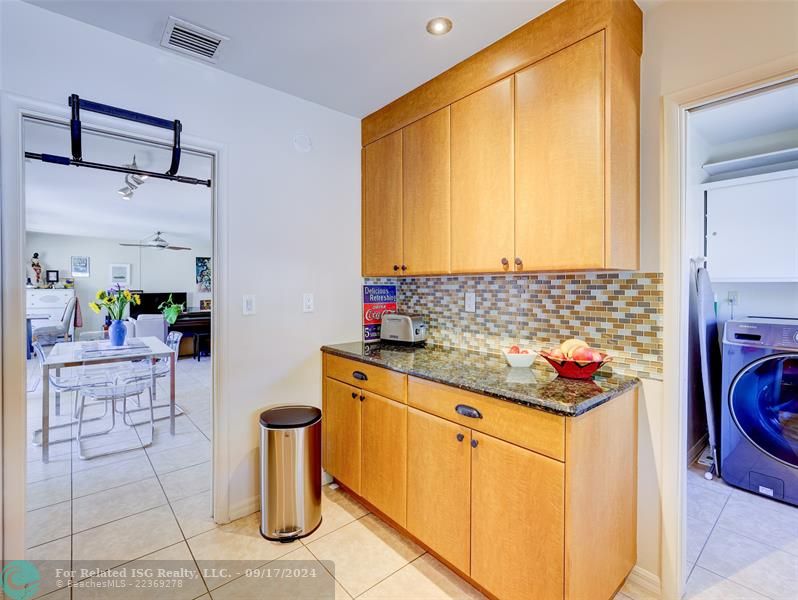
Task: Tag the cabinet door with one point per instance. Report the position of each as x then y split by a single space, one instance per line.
382 206
343 433
517 527
559 161
751 230
482 180
384 450
438 486
426 205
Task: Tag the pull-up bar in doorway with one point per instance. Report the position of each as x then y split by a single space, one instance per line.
120 113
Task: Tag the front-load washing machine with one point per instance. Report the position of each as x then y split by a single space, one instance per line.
759 408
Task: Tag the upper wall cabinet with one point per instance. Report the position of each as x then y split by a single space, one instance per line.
382 206
559 163
482 180
523 157
426 220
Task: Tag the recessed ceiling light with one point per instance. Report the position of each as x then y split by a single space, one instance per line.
439 26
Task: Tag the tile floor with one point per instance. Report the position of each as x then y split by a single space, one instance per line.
153 505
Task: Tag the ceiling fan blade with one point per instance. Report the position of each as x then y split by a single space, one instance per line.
177 248
135 245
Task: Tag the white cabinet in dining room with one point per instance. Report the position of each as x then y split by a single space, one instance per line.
752 228
50 303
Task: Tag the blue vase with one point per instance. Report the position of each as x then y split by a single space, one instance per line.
117 332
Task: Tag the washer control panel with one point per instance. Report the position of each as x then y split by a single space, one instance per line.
759 331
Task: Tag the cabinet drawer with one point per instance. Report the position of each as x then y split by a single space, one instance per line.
368 377
527 427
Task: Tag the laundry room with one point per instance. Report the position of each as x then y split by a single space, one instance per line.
741 176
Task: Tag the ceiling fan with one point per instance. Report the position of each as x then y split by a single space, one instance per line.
156 242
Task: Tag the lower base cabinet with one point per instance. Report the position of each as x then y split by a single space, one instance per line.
518 523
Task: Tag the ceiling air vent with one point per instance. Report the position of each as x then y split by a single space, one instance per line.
192 40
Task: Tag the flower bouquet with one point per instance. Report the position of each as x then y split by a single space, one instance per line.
115 301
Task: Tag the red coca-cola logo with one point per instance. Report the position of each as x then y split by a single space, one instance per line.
372 313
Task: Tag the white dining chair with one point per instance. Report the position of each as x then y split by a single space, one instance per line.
52 333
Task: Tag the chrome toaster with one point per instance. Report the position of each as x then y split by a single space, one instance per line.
407 329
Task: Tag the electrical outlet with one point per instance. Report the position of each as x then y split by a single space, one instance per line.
248 307
470 302
733 298
307 302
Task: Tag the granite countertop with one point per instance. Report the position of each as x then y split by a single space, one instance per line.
537 387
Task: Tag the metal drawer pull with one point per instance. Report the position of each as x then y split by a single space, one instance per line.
360 375
468 411
362 398
474 443
354 394
460 437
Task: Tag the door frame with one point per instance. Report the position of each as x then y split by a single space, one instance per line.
14 110
675 266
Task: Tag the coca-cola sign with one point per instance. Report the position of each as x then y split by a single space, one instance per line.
377 300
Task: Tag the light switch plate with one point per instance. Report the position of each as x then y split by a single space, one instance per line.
248 307
307 302
471 302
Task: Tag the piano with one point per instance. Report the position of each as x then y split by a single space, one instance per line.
192 321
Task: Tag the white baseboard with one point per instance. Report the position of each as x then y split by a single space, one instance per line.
642 585
245 508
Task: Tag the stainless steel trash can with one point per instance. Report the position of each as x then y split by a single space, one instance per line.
290 471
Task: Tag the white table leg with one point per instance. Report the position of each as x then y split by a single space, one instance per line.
57 394
45 414
172 376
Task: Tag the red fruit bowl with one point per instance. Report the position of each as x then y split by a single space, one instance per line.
575 369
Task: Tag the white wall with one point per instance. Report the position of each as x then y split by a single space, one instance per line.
293 218
151 270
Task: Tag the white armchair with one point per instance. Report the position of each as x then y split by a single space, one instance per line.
151 325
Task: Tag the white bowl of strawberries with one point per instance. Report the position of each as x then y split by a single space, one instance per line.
518 357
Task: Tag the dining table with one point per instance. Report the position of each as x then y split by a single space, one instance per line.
88 353
29 329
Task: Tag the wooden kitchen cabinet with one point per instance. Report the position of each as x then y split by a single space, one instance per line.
482 180
383 445
439 486
426 218
559 162
382 206
517 522
342 443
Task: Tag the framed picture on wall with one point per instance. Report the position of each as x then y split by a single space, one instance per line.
205 304
203 273
80 266
120 274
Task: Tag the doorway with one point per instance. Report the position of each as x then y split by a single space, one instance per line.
66 495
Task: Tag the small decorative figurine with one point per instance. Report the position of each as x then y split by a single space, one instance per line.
35 271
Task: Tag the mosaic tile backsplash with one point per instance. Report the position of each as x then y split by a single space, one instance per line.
620 313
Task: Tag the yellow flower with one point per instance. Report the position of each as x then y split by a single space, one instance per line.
100 294
95 307
137 299
110 300
127 295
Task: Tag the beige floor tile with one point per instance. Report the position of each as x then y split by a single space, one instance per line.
365 552
174 559
48 558
48 524
127 539
764 520
425 578
194 514
240 542
705 503
36 470
315 583
106 477
186 482
117 503
48 492
704 585
337 509
173 459
697 535
751 564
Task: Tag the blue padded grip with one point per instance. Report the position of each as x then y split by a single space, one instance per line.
59 160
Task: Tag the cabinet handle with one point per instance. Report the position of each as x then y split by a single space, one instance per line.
362 398
404 267
518 261
474 443
460 437
396 267
360 375
354 394
505 262
468 411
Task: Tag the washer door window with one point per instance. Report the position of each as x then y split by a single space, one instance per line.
764 404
